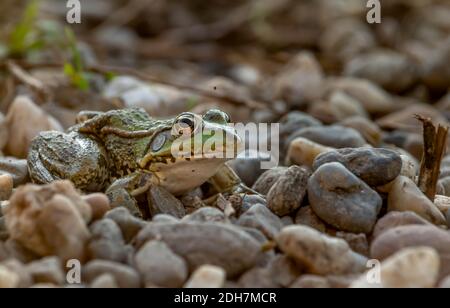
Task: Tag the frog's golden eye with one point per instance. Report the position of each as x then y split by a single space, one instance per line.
158 142
217 116
186 124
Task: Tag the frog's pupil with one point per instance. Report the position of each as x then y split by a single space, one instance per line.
158 142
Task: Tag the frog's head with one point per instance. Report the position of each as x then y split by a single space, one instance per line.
191 149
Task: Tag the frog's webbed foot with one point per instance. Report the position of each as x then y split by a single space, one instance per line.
60 156
226 181
125 191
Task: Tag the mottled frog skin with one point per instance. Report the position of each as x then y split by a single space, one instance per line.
125 152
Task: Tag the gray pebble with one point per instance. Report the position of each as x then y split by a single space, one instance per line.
17 168
129 224
206 214
376 167
261 218
159 266
125 276
342 200
268 179
161 201
47 270
107 242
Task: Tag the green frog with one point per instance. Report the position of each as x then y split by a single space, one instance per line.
125 152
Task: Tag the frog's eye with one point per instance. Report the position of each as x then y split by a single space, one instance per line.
158 142
217 116
185 125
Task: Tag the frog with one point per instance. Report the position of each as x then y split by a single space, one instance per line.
126 152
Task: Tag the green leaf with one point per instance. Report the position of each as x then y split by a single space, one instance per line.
23 34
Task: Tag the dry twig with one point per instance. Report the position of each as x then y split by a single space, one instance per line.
435 141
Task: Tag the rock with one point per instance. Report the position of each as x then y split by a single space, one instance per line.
3 131
23 110
25 279
442 203
303 152
293 122
342 200
406 196
357 242
105 281
164 218
262 219
47 270
248 169
306 216
250 200
300 82
17 168
99 204
319 253
284 270
268 179
374 99
125 276
163 202
17 251
436 73
287 221
397 219
8 279
107 242
258 278
337 107
332 136
311 282
206 214
206 243
159 266
376 167
394 240
416 267
445 283
49 220
286 195
391 70
6 186
207 276
368 129
129 224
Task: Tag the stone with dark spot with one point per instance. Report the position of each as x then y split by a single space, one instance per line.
342 200
376 167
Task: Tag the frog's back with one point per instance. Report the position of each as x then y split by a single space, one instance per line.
125 134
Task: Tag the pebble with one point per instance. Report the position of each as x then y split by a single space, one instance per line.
25 279
206 214
284 270
164 218
161 201
445 283
129 224
17 168
268 179
49 220
406 196
6 186
300 81
47 270
391 70
3 131
442 203
257 278
106 241
293 122
436 73
397 219
104 281
248 169
374 166
125 276
306 216
159 266
23 110
311 282
8 279
217 244
262 219
374 99
99 204
207 276
368 129
303 152
416 267
286 195
394 240
334 136
319 253
357 242
250 200
342 200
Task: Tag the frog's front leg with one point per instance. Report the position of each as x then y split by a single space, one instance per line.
125 190
227 181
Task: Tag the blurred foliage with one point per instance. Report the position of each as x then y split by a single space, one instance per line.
74 69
